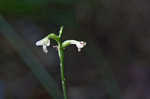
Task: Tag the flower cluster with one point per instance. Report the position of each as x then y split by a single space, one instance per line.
46 42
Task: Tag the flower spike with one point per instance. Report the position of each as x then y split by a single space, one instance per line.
60 48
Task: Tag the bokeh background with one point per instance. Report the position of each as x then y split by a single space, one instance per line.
114 64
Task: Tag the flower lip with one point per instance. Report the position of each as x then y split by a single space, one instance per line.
45 43
80 45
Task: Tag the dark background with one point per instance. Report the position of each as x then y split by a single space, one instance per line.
113 65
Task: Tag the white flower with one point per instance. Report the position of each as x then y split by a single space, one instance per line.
45 43
79 44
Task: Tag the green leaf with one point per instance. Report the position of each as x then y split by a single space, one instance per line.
30 60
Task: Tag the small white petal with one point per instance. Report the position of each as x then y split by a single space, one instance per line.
45 49
80 44
48 43
79 49
39 43
45 43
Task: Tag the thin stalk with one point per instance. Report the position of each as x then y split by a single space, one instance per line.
61 31
61 57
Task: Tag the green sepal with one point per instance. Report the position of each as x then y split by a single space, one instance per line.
53 36
66 44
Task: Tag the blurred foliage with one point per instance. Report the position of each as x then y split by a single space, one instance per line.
30 60
61 12
57 11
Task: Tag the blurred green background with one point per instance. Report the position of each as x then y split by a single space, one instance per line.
113 65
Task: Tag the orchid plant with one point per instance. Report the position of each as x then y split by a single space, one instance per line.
45 42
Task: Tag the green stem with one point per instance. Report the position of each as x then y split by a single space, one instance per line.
61 31
61 56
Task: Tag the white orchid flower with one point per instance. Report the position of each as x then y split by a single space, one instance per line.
45 43
79 44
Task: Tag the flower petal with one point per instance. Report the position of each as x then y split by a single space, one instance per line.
80 44
45 49
39 43
48 43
